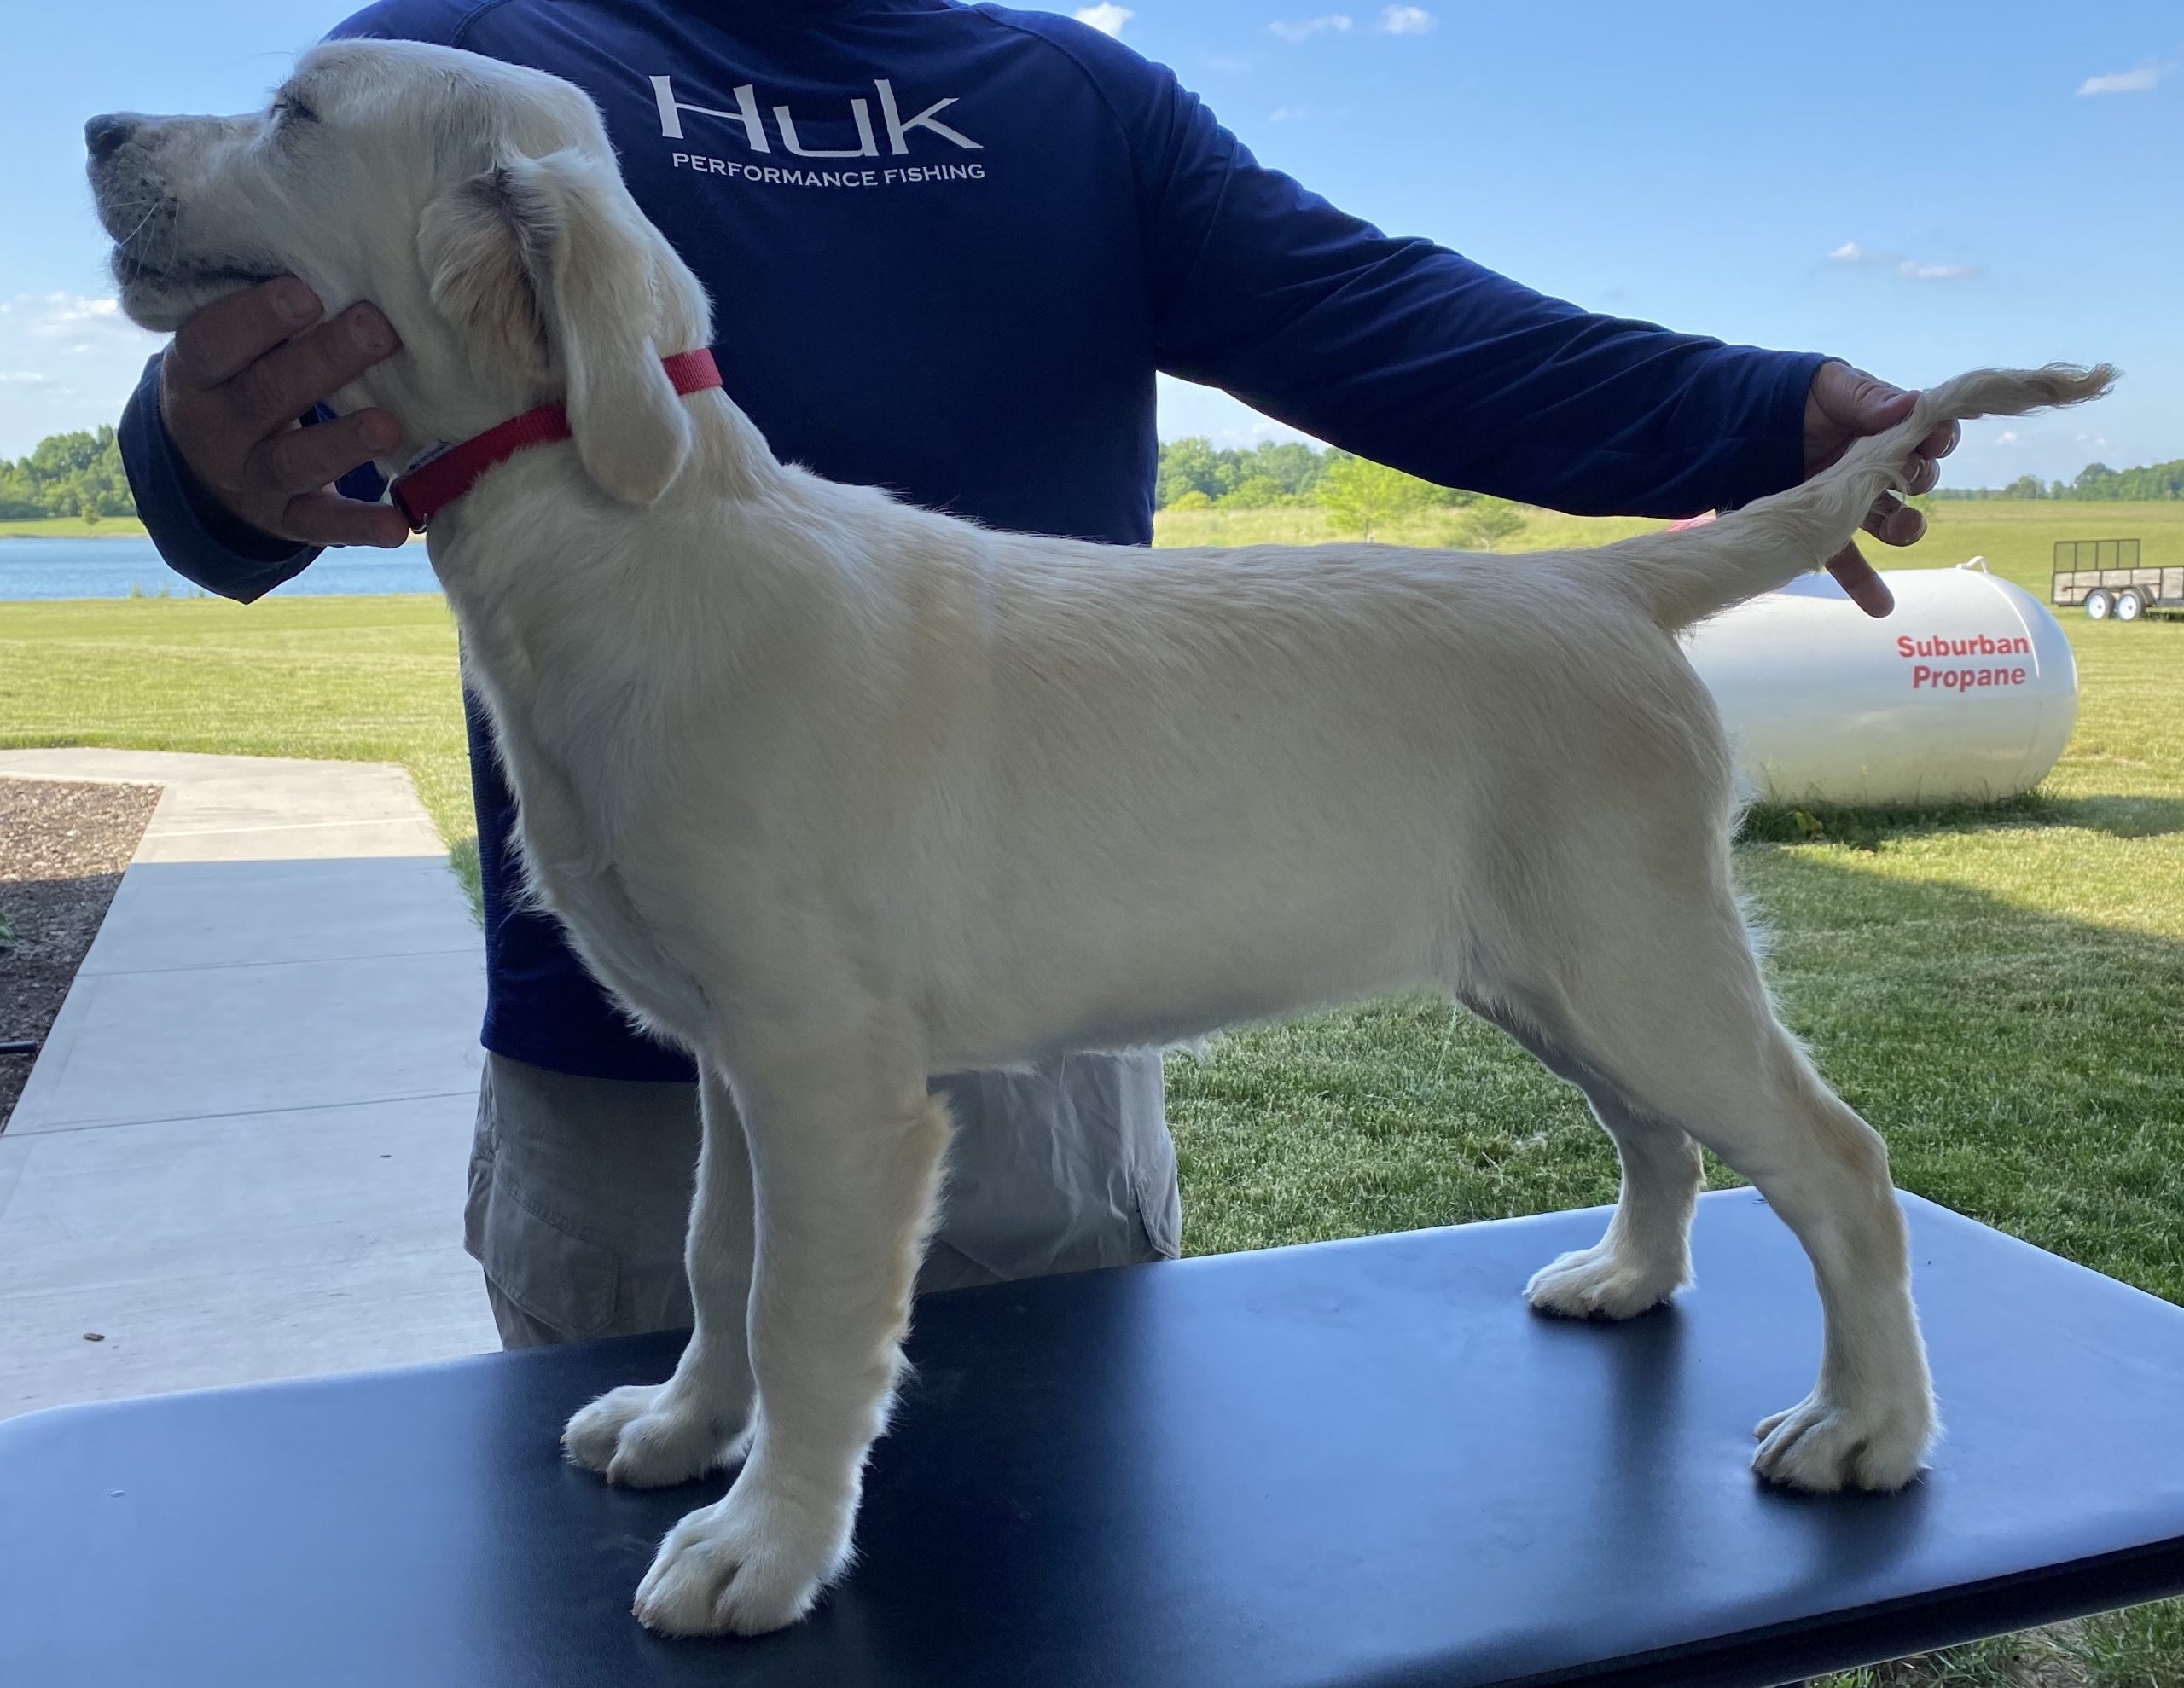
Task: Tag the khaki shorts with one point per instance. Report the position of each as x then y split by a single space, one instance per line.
580 1188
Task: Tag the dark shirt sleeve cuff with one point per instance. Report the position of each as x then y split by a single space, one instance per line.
196 535
1769 455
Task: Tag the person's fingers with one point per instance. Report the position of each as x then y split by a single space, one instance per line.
304 459
327 518
1942 441
1922 474
227 336
285 383
1893 522
1867 590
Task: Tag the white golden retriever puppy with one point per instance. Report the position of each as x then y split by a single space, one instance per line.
838 793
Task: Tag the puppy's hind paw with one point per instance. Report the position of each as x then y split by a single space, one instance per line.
1596 1283
645 1437
1821 1446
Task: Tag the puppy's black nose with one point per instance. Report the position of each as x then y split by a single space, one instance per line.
104 135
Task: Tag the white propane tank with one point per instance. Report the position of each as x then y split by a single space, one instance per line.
1967 693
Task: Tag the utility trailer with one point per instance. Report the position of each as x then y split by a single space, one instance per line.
2105 576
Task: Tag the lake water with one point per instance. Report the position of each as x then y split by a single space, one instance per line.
110 568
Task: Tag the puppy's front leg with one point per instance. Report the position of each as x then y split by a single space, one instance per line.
646 1435
847 1149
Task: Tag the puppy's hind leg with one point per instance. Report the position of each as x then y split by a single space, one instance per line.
1868 1421
1663 999
1645 1257
646 1435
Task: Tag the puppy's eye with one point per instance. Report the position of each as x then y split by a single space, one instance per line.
288 106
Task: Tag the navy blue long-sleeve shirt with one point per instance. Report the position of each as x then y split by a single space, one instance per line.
948 248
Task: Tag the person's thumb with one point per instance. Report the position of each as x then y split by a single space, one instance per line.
1862 403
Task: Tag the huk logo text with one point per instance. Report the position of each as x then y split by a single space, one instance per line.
748 116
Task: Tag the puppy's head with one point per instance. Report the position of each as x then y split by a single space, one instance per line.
477 204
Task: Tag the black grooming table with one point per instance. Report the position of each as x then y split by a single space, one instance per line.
1364 1462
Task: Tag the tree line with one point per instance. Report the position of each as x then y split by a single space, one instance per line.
2096 480
68 474
1359 496
80 474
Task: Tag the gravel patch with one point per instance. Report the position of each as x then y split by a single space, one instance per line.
63 846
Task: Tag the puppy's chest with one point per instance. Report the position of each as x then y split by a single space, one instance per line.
617 926
587 823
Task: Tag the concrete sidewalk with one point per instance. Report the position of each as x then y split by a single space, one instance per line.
241 1153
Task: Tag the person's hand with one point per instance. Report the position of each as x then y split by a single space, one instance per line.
1844 405
231 386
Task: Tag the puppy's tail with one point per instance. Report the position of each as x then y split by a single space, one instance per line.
1681 578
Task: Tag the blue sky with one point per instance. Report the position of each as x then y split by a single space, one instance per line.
1919 188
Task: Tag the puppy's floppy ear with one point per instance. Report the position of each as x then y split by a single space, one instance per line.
554 270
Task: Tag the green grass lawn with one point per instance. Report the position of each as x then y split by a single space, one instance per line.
2000 991
357 679
2018 537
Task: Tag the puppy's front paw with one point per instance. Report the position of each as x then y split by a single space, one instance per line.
646 1435
1596 1283
1822 1446
753 1562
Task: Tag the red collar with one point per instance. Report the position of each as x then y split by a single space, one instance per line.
446 475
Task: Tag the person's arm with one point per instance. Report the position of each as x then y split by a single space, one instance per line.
197 535
237 491
1413 355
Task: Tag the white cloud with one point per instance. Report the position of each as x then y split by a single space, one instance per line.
81 321
1107 17
67 361
1288 113
1910 268
1228 62
56 314
2137 81
2007 436
1304 30
1406 20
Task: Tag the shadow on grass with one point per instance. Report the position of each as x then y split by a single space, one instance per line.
2027 1068
2120 817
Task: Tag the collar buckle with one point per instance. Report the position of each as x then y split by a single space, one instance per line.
400 502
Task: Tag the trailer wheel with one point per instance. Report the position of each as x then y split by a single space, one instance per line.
2127 605
2097 603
